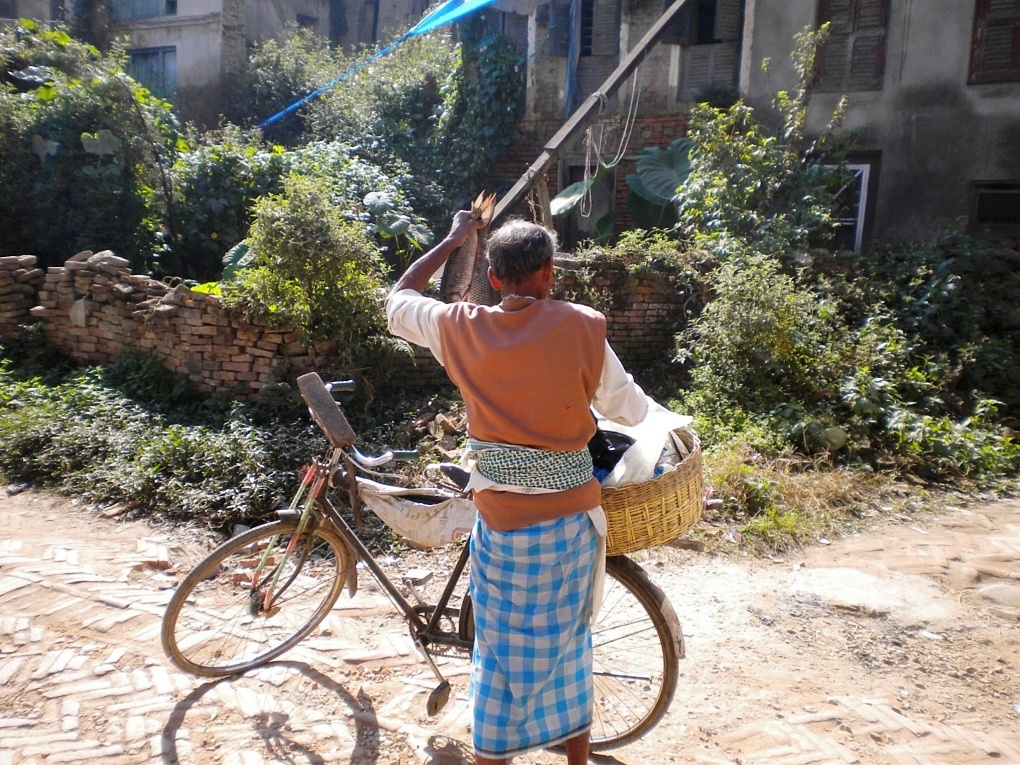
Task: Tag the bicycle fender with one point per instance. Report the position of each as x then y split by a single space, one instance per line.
352 572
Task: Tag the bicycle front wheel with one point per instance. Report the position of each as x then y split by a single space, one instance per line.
255 597
637 645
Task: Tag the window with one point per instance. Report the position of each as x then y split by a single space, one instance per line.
851 207
514 27
996 205
368 21
307 22
853 58
127 10
156 69
593 36
710 32
995 47
598 28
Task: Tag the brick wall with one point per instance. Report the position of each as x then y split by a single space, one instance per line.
646 310
95 310
19 285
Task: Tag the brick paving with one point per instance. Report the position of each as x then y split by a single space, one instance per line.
83 678
787 681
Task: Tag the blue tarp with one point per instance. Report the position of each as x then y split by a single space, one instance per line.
447 13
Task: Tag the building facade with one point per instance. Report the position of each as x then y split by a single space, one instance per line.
932 88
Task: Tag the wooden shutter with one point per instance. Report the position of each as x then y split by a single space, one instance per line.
729 17
995 48
853 57
605 37
683 28
707 65
839 14
871 14
867 63
558 42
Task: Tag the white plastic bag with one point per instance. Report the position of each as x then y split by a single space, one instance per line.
651 436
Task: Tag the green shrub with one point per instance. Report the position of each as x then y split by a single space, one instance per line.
83 150
215 185
84 437
755 188
763 340
446 110
314 270
280 72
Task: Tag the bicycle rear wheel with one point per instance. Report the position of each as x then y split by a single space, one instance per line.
637 645
221 621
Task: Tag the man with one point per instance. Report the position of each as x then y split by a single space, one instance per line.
529 369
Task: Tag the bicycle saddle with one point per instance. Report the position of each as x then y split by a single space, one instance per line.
455 473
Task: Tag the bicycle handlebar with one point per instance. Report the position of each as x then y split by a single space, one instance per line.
405 455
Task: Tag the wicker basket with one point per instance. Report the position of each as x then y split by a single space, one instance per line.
642 515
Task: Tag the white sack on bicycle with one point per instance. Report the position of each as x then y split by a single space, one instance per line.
430 520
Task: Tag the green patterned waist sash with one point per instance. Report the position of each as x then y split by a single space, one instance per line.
532 468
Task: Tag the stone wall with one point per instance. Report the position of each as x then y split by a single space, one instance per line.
95 310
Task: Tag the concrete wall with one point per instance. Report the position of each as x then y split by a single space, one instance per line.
935 134
265 19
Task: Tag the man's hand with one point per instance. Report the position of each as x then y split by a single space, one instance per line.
463 226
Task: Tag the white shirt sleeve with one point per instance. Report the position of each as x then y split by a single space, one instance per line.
415 318
618 397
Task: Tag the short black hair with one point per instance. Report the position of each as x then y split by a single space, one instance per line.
519 248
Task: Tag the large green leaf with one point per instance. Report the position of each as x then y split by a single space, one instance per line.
650 216
239 256
571 196
661 171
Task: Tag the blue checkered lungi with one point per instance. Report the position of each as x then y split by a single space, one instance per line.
532 665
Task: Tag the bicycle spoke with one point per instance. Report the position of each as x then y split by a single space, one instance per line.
218 624
634 658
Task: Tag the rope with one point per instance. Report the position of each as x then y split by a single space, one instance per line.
591 146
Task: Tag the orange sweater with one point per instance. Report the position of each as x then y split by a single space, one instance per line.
528 378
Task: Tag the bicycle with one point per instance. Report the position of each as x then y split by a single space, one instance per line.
259 594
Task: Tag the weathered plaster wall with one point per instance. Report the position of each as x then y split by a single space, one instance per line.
935 133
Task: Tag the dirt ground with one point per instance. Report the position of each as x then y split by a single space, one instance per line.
898 645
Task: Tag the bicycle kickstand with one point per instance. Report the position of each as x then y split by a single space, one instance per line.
441 694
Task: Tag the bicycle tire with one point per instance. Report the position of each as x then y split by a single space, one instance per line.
637 644
214 625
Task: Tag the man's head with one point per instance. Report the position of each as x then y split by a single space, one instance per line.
518 249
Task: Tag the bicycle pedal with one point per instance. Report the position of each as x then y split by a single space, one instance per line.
438 698
417 577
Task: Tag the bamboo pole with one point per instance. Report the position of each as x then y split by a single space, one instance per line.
584 112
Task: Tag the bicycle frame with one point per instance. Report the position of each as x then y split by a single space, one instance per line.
425 632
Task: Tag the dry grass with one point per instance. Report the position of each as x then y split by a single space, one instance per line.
768 506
